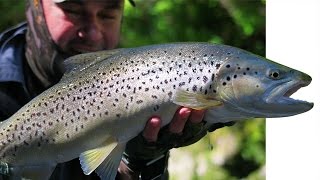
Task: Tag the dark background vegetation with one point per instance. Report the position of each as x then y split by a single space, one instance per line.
238 23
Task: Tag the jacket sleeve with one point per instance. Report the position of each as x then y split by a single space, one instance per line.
11 99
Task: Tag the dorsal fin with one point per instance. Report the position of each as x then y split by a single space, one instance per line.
83 61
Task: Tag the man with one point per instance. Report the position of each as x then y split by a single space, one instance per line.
31 61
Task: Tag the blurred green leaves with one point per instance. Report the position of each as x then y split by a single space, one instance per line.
238 23
12 13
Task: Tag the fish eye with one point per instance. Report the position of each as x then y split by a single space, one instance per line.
274 74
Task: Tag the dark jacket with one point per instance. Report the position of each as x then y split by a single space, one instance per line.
13 89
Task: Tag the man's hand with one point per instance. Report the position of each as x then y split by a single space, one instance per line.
152 128
185 128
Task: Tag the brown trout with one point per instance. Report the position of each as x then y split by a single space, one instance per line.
105 99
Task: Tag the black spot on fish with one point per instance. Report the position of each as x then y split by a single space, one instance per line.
228 66
244 73
181 84
194 88
235 76
248 69
218 66
205 79
212 77
156 108
224 83
228 78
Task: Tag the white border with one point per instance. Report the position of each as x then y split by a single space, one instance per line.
293 39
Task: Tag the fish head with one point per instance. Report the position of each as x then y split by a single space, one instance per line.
258 87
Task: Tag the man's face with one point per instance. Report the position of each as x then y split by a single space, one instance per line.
86 26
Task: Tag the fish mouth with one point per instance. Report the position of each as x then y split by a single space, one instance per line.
281 95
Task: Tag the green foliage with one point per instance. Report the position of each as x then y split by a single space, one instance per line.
12 13
237 23
238 151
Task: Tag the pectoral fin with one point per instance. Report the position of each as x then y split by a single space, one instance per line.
91 159
194 100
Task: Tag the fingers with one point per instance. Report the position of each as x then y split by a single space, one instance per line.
179 120
196 116
151 130
176 126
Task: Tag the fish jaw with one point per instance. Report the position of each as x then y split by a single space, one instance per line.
280 100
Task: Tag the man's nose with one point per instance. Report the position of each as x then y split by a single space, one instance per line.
91 32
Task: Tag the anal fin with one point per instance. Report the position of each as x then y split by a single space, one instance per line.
108 168
92 158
